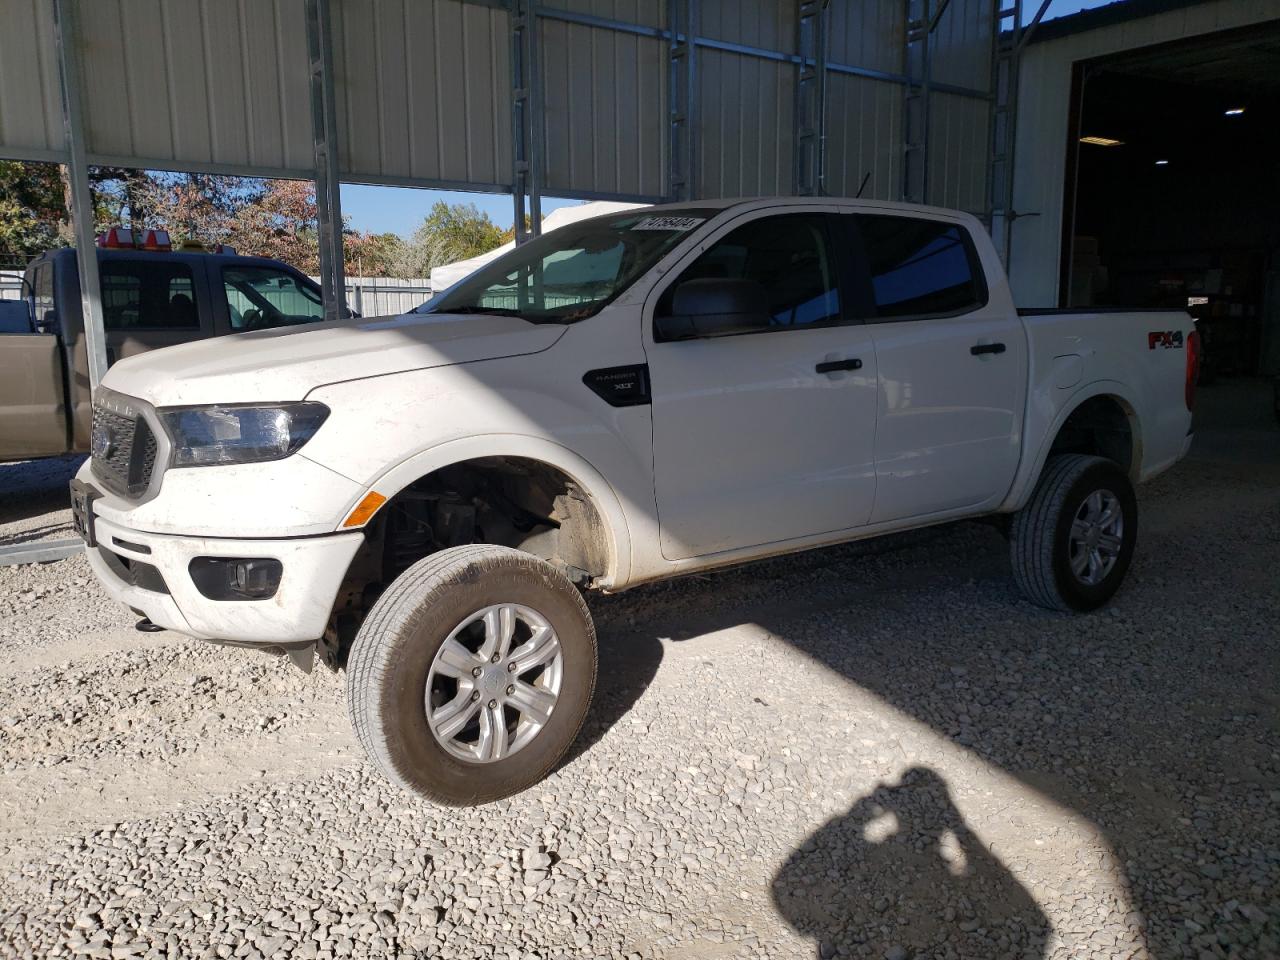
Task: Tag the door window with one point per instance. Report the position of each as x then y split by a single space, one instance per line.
262 297
789 256
921 268
137 295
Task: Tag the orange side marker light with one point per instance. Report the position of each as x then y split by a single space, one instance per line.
364 510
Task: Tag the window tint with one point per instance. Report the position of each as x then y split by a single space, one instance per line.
920 268
261 297
137 295
789 256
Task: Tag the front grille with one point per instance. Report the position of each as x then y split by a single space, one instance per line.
124 452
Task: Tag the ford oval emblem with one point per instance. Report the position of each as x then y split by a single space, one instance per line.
101 442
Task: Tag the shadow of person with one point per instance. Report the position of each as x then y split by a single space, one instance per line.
900 877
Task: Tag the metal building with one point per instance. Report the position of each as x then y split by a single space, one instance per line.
959 103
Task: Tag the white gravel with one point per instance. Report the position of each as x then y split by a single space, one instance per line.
864 752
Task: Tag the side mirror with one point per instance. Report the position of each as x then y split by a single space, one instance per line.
714 307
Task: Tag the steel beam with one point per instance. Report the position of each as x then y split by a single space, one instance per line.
745 49
65 34
682 96
526 121
324 133
12 555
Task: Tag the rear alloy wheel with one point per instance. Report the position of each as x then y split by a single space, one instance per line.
1071 545
472 674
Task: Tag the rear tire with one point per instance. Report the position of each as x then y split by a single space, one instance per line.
406 691
1071 545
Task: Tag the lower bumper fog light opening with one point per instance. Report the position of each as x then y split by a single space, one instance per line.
236 578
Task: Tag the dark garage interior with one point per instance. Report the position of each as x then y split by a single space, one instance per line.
1177 191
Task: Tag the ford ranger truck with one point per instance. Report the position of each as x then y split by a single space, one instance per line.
422 499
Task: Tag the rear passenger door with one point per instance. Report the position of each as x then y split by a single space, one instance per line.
148 304
952 370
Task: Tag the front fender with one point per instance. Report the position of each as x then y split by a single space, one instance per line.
593 483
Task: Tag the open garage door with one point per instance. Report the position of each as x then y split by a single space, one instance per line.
1173 199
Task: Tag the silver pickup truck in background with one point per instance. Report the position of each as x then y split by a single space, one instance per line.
149 300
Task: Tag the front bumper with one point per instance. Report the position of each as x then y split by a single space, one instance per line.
314 568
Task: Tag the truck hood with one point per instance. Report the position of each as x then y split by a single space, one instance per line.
287 363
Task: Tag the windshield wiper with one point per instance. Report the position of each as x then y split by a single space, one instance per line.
476 308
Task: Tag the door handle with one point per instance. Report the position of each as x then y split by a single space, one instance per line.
831 366
980 348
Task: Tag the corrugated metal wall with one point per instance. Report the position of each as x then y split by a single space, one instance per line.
30 98
197 82
605 106
423 92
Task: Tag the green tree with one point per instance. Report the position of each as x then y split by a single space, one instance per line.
449 233
33 216
373 254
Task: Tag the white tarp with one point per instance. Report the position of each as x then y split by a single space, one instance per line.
448 275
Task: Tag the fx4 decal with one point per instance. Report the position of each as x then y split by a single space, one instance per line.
1169 339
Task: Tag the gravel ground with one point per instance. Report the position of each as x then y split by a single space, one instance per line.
872 751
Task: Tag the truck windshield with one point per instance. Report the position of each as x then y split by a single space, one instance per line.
573 272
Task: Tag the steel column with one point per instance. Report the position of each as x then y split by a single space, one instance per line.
916 66
324 133
1008 38
810 116
682 20
65 33
526 121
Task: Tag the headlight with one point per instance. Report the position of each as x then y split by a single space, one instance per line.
203 436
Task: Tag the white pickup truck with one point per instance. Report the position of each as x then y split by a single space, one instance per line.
647 394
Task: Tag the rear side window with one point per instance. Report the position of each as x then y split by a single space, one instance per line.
137 295
921 268
789 256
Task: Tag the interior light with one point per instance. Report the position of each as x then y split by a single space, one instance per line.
1235 111
1102 141
1162 163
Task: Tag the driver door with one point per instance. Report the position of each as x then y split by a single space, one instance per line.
766 436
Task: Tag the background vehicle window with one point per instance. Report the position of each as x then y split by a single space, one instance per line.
789 256
261 297
137 295
920 267
42 284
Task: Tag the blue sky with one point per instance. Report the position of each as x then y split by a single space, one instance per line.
401 209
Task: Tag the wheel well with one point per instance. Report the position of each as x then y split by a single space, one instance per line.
507 501
1101 426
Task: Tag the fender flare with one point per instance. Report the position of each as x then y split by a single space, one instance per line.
1026 479
605 499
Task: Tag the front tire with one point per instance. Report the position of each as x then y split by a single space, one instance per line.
472 674
1071 545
